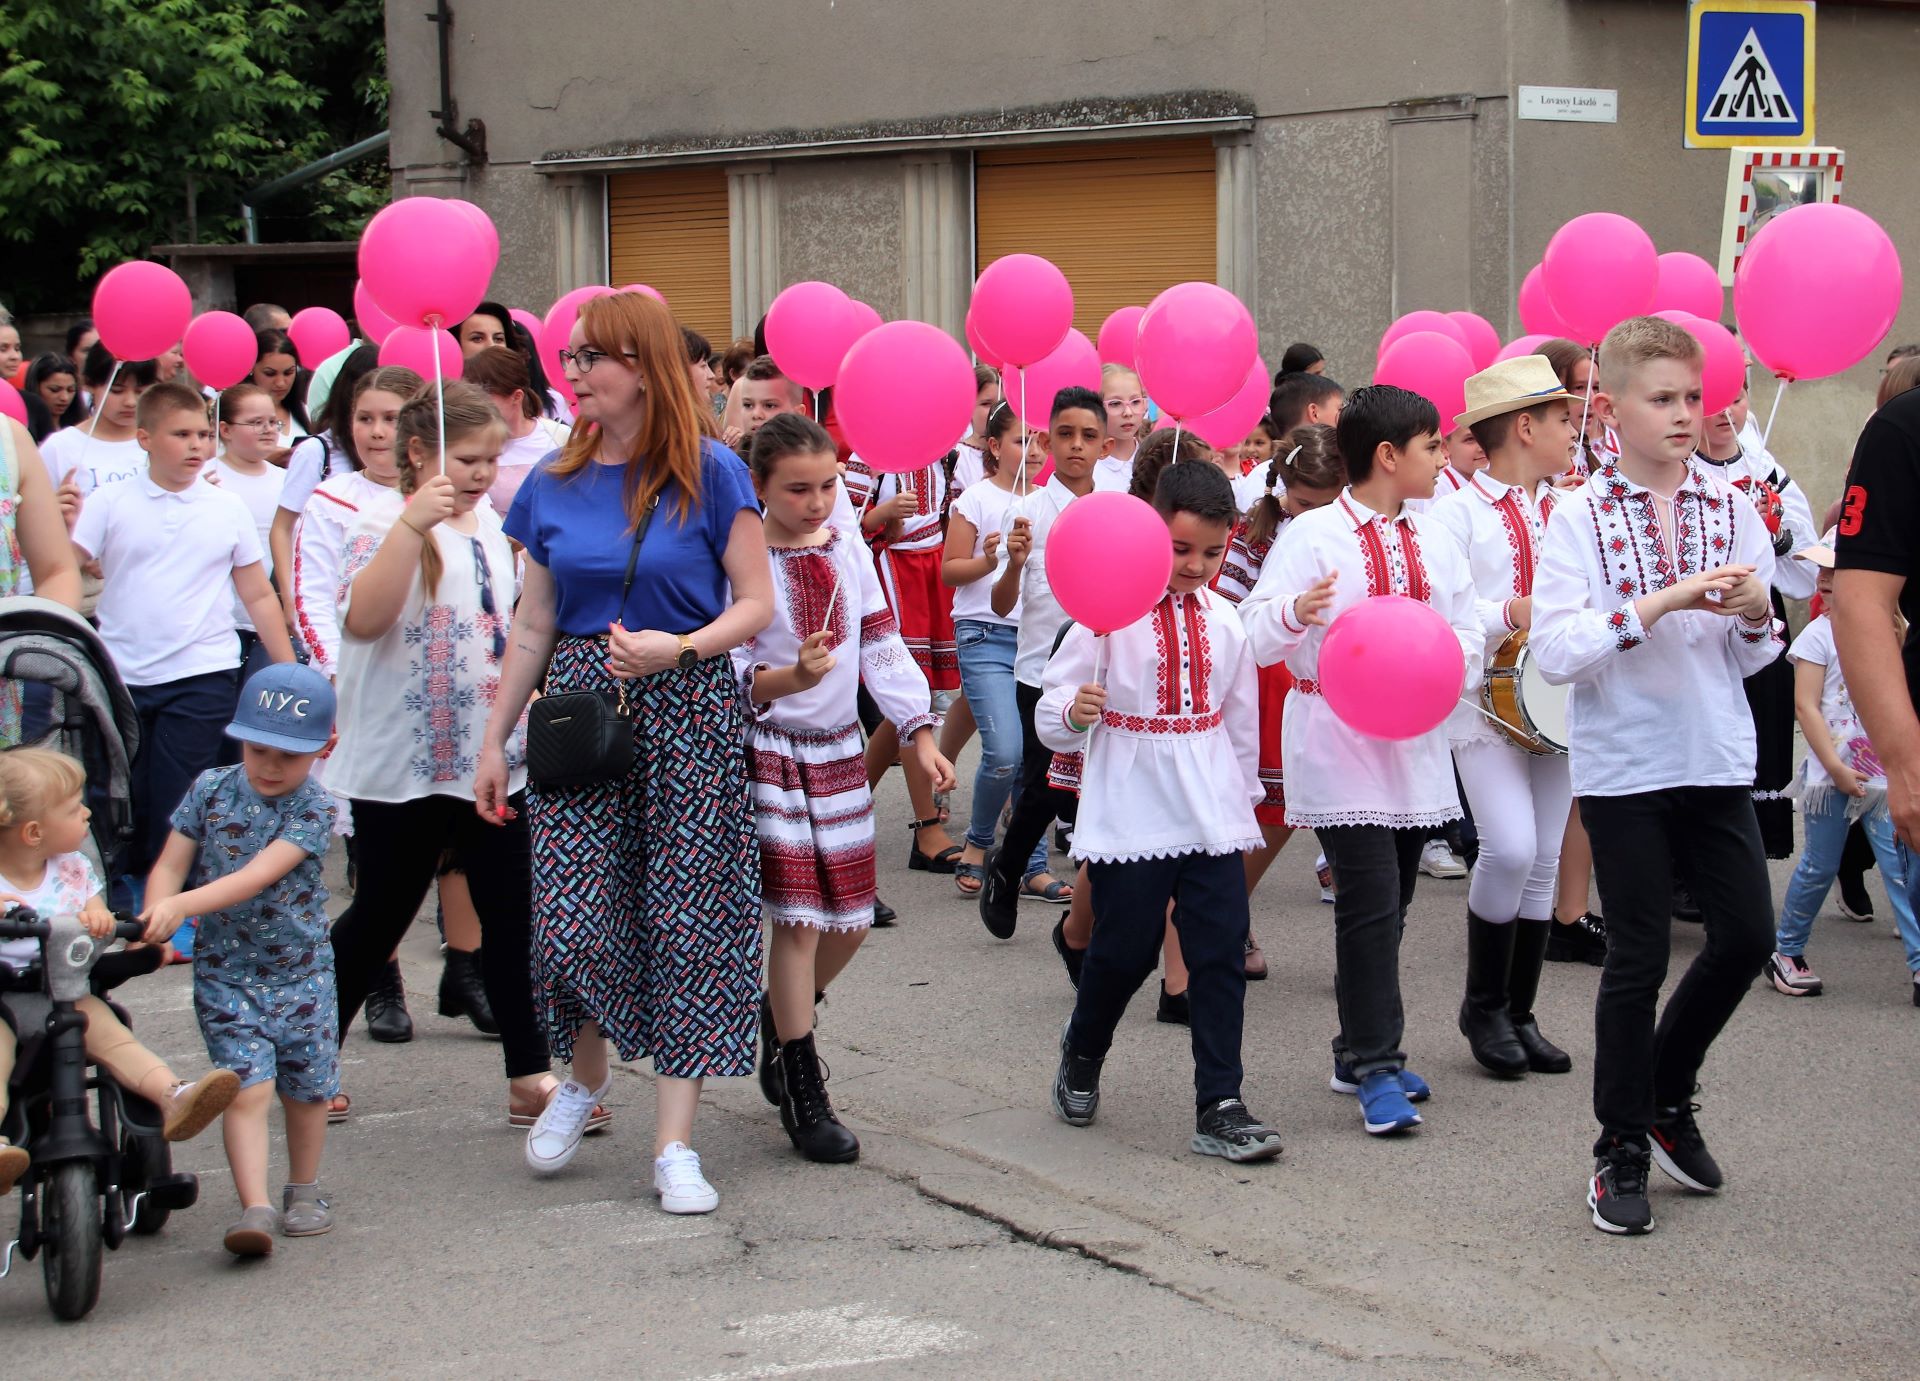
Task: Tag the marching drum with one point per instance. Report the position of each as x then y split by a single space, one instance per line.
1518 699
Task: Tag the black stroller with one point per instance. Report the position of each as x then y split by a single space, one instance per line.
97 1177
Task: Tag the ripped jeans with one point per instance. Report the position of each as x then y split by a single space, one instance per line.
986 677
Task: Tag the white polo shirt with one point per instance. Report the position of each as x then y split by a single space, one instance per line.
166 612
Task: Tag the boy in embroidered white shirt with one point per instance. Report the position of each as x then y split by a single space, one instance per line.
1518 414
1172 770
1652 601
174 552
1372 802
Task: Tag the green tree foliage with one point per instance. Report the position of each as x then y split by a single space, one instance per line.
135 122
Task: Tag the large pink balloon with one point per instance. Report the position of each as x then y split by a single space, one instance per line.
219 348
1432 365
1521 345
425 261
645 291
1690 284
1119 336
412 347
866 318
1196 343
375 325
810 328
1229 424
1482 341
318 332
141 309
1537 314
12 404
1109 557
1600 269
527 319
1390 667
1074 363
979 347
557 330
1022 308
483 223
1723 371
1438 322
904 393
1817 290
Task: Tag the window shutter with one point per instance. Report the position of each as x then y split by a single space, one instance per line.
667 228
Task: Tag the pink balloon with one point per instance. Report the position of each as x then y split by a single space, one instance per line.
1537 314
317 332
1195 345
1600 269
1229 424
1074 363
642 288
1817 290
1723 371
905 391
1119 335
810 327
1691 284
1432 365
527 319
425 261
412 347
1482 341
1390 667
220 349
482 222
1022 308
557 330
865 317
1438 322
1109 557
1521 345
375 325
141 309
979 347
12 404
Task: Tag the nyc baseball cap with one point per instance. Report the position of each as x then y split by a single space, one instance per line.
285 706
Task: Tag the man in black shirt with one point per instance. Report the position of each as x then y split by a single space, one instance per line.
1877 576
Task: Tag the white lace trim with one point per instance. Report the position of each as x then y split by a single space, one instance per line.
1334 819
1212 848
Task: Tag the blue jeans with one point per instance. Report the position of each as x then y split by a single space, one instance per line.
1825 826
986 678
182 727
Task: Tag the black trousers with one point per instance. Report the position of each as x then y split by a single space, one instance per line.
1374 870
1129 921
1706 837
1037 803
183 725
398 855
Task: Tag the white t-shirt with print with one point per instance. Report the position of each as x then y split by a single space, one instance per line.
99 463
1850 744
68 884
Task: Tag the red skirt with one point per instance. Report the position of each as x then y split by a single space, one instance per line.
1275 682
923 607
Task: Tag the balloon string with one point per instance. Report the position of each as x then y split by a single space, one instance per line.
859 513
100 406
216 426
439 395
1024 431
1773 412
1586 406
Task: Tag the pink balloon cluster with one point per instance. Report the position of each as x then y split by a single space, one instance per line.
1109 557
1432 364
427 260
810 328
1073 363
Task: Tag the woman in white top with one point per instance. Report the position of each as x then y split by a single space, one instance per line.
426 599
502 374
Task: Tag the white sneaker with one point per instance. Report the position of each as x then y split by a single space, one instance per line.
1439 861
1324 872
555 1134
1792 975
679 1183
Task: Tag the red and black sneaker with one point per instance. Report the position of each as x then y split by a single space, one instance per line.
1617 1194
1681 1151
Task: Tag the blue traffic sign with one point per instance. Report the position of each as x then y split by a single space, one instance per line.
1750 73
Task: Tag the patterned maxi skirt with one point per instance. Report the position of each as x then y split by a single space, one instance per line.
646 890
814 816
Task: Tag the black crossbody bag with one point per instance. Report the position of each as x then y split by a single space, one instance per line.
582 738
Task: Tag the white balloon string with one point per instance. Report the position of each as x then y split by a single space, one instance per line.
1024 429
439 392
1587 405
100 405
1773 412
216 424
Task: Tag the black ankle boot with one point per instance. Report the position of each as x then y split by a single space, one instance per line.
463 992
771 1083
1483 1014
804 1110
1523 982
386 1008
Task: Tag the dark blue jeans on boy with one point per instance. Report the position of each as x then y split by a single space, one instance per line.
183 726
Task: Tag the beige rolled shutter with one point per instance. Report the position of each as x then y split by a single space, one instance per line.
667 228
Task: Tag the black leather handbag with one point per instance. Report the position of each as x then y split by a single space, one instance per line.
581 738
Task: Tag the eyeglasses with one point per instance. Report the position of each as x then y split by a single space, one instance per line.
483 577
1126 403
264 424
586 357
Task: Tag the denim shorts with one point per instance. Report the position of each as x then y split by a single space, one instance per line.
289 1033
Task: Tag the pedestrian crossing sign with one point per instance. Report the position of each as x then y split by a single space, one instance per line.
1749 73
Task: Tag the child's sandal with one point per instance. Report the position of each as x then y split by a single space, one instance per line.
339 1108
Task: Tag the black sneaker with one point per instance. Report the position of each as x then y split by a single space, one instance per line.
1174 1008
1855 903
1581 942
1062 837
1685 908
1680 1150
999 899
1228 1130
1076 1085
1071 957
883 915
1617 1194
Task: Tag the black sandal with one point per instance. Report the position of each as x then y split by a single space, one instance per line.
943 862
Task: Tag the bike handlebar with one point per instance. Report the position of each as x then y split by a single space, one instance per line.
23 923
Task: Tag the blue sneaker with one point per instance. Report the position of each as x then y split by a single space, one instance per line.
1383 1104
1411 1084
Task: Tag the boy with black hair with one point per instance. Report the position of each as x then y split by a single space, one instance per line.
1297 400
1077 440
1652 601
1372 802
106 450
1170 735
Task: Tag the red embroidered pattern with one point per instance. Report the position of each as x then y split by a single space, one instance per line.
878 626
1523 541
1166 639
1199 654
820 779
1417 586
1307 686
1161 724
1374 552
807 582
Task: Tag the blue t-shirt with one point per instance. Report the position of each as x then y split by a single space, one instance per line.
281 935
576 526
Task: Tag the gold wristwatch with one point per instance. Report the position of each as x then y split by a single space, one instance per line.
689 654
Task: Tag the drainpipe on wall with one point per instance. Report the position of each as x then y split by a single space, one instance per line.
305 174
